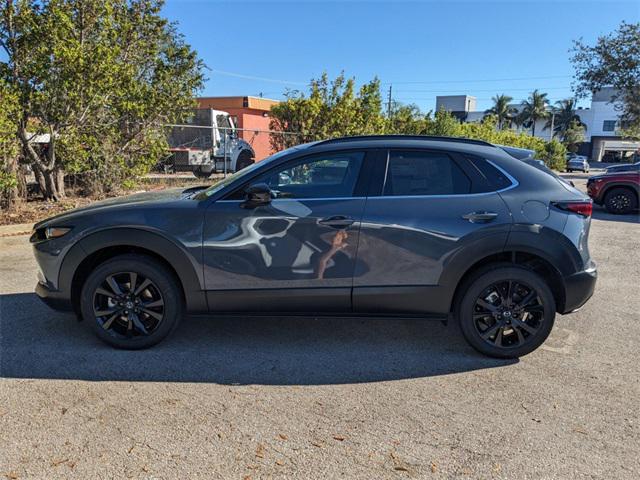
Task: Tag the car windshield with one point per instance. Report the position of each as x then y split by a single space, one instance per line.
216 187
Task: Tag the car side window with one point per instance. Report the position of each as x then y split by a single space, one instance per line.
321 176
424 173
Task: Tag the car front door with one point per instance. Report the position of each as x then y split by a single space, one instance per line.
295 253
425 207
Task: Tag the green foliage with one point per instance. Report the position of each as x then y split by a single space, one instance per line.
564 117
534 109
501 109
100 76
9 147
405 119
554 155
614 61
331 109
573 135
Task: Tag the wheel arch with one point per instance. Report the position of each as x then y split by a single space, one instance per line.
105 244
633 188
531 261
543 250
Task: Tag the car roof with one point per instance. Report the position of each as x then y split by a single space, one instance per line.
466 145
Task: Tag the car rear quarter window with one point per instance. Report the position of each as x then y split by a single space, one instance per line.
413 173
496 180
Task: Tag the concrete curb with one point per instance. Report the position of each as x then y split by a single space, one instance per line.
15 230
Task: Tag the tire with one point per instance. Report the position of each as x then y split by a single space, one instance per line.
509 331
620 201
244 160
569 170
199 173
128 324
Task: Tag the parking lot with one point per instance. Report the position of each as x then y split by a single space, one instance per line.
324 398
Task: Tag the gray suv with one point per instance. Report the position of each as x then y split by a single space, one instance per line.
407 226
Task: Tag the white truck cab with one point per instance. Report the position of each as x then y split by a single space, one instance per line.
208 143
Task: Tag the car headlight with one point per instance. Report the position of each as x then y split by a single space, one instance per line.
55 232
48 233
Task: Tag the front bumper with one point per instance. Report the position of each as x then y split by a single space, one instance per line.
579 288
53 298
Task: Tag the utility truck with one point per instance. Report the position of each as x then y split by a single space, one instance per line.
208 143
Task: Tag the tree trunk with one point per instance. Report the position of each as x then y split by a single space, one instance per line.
51 183
11 195
50 177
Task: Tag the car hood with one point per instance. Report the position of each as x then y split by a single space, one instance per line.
143 198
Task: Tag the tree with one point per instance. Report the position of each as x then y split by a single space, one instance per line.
100 78
405 119
614 61
502 110
9 147
564 118
332 109
534 109
573 136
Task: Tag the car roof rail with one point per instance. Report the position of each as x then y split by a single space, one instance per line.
404 137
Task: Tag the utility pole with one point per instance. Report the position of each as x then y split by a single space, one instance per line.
389 103
553 118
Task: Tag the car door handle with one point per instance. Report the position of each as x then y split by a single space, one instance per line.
337 221
480 217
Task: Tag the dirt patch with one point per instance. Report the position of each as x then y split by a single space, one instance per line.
35 209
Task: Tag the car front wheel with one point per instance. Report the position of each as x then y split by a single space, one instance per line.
506 311
131 301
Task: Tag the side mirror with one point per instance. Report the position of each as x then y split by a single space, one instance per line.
256 195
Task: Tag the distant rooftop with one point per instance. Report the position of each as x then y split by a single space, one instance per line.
223 103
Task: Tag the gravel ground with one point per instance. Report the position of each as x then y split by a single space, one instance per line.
333 398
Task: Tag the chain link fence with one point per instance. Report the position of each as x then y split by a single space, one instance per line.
209 143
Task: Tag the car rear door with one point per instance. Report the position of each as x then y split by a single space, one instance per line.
425 208
295 254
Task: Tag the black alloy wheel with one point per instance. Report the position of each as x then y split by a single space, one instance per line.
508 313
505 310
620 201
131 301
128 304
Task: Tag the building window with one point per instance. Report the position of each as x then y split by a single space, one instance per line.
608 126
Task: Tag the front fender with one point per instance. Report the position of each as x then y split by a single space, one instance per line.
183 262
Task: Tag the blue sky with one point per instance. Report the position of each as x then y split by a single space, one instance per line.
423 48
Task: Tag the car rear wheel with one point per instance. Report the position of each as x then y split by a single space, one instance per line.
131 301
620 201
506 311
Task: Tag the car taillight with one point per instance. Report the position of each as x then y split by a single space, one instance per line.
581 208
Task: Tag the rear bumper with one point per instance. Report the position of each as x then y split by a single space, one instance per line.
53 298
579 288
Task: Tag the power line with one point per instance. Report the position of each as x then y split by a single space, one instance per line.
421 82
261 79
480 80
488 90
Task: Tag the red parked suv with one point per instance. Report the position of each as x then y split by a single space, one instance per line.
618 192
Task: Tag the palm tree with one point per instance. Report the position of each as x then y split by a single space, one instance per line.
534 109
501 109
565 117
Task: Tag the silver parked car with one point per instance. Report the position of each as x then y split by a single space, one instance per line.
577 162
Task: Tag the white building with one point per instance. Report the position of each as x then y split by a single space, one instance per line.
602 121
